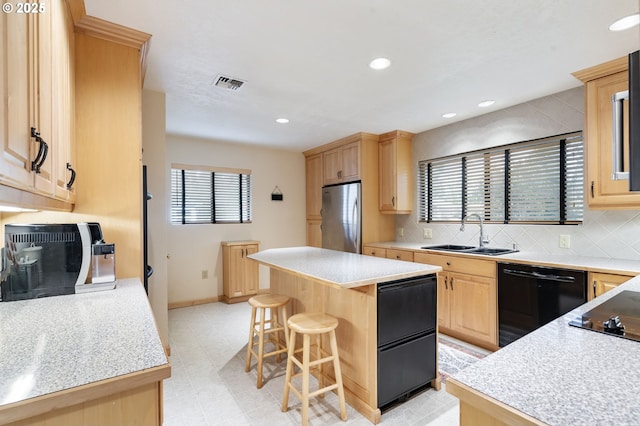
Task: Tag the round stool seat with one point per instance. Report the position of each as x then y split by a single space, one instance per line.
312 323
268 301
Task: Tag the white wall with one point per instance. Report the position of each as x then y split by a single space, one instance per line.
196 248
154 157
609 234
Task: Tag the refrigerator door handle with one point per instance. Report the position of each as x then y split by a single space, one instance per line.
354 219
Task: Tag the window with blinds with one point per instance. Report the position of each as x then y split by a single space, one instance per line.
540 181
210 195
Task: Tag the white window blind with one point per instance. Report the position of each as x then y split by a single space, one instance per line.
210 196
537 181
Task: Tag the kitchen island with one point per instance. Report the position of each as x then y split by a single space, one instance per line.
556 375
343 285
91 358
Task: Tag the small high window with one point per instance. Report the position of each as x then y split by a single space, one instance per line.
210 195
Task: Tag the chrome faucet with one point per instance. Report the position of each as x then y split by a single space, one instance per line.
482 238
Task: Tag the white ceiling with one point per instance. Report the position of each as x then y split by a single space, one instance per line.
308 60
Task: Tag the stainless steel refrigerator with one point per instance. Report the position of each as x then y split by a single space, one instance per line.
342 217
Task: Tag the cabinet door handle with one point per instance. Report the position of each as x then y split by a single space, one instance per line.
618 138
594 288
393 201
592 190
73 176
40 157
446 285
44 156
451 283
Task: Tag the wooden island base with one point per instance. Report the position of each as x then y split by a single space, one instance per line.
356 310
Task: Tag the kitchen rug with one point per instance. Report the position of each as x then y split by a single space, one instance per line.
453 357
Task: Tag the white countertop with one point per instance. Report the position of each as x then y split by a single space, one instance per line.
56 343
340 269
586 263
563 375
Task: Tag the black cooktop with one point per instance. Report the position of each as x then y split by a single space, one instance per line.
618 316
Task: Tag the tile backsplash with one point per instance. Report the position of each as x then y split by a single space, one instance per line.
603 233
608 234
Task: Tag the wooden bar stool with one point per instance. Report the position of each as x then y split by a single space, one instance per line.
277 324
309 324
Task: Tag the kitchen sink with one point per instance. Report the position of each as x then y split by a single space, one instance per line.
449 247
489 251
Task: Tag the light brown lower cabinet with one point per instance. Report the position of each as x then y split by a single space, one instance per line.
406 255
601 283
314 233
467 297
125 400
374 251
239 274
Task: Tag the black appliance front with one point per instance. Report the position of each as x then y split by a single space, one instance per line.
531 296
406 337
618 316
42 260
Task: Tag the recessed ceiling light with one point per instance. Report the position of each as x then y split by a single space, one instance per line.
625 23
282 120
486 103
449 115
379 63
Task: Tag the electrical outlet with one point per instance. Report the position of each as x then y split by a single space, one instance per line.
205 274
427 233
401 232
565 241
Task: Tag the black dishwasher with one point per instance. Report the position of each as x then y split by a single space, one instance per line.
406 337
531 296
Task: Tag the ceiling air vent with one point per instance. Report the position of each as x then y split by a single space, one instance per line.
227 82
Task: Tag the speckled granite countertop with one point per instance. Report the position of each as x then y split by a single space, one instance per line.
340 269
562 375
57 343
600 264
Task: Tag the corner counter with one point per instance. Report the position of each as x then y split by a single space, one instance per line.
91 358
343 285
555 375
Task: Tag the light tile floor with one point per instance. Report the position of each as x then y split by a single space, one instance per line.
208 384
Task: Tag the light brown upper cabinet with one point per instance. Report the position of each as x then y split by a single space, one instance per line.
601 83
394 161
63 136
342 164
314 184
37 109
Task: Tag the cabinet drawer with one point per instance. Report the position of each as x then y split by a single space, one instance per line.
406 255
485 268
374 251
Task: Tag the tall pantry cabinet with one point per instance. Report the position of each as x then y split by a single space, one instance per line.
353 158
104 75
